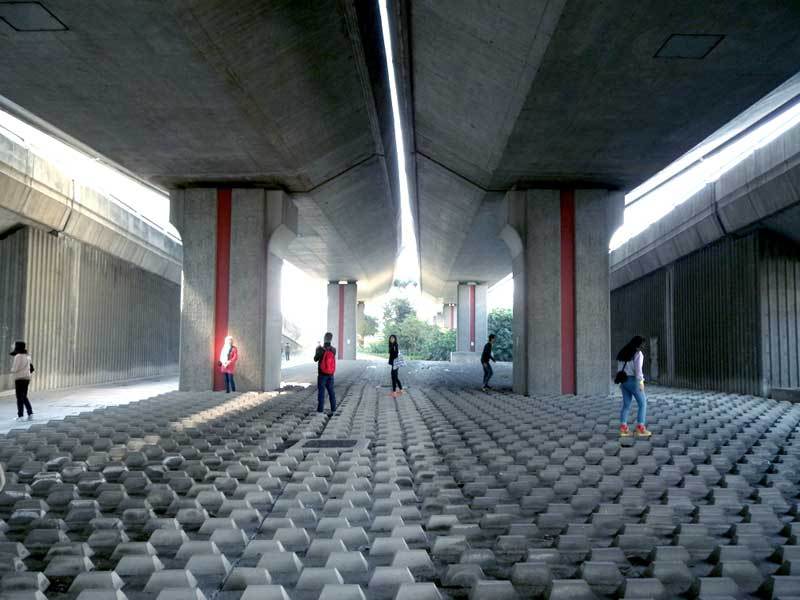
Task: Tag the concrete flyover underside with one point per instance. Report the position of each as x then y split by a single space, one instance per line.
557 93
283 95
457 493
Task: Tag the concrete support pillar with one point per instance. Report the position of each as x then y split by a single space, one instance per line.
473 319
234 241
449 316
360 322
342 318
559 246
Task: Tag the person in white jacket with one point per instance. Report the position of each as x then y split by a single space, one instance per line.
630 361
21 372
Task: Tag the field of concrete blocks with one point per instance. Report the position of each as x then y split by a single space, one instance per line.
443 493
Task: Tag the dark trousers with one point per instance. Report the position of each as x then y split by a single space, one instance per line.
396 380
287 355
487 373
21 388
230 384
325 382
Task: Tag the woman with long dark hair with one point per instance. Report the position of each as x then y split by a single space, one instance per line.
394 361
631 381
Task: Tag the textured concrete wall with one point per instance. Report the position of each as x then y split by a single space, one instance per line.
594 220
543 291
194 214
779 272
90 317
254 318
13 270
248 286
724 318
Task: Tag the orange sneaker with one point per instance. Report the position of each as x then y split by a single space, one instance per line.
624 431
642 431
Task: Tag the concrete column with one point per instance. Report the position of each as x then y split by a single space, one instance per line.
559 245
359 322
342 318
472 317
449 316
234 241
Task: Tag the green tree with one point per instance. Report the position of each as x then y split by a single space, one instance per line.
501 325
395 311
440 344
367 326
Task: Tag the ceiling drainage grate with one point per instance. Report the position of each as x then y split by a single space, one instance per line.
29 16
689 45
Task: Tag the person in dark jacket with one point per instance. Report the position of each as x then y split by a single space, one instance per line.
325 380
394 354
486 357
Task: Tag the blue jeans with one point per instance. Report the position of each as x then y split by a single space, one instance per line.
325 382
230 384
630 390
487 373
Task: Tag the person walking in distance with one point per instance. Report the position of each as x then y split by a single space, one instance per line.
288 352
486 357
395 362
325 357
631 382
228 357
21 371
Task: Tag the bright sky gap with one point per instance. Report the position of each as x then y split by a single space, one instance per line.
407 265
659 195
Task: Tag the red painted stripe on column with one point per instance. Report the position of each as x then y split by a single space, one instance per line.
341 321
223 260
472 318
568 382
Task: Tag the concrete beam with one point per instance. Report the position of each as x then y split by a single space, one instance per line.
763 185
35 192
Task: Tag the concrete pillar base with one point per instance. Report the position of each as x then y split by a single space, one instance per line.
559 247
234 241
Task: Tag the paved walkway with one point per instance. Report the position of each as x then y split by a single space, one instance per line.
458 493
57 404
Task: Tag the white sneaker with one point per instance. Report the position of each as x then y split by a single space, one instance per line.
30 417
20 418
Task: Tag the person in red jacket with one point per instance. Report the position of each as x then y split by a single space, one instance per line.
227 363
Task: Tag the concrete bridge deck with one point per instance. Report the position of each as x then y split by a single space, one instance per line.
459 493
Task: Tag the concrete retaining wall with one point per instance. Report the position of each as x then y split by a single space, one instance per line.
88 317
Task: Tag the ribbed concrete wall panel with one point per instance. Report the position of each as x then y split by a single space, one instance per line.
93 318
703 310
780 309
13 265
638 309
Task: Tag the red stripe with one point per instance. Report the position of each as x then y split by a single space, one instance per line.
223 279
568 385
472 318
341 321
